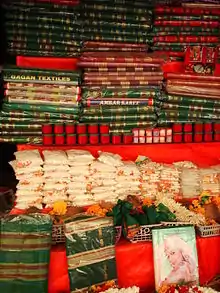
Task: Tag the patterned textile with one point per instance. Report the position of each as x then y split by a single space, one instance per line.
24 253
90 251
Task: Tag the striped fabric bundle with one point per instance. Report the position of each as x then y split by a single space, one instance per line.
177 27
189 98
42 28
90 251
24 253
115 21
45 96
120 87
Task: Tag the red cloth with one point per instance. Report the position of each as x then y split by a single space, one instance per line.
47 63
135 264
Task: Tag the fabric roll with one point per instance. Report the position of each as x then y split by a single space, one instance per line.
39 108
22 139
31 114
109 118
117 102
117 110
132 124
190 101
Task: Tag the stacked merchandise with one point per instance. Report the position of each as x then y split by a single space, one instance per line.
120 89
42 28
33 97
152 135
189 179
90 246
28 170
188 99
176 28
79 179
209 178
79 187
150 178
104 177
128 180
170 180
56 176
116 21
25 253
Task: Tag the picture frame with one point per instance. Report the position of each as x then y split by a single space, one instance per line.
175 256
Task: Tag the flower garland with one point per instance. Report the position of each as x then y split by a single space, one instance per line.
182 214
184 289
101 288
110 287
198 206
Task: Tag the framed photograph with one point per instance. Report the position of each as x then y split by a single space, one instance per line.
175 256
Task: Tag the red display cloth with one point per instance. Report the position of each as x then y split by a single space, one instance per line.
47 62
203 154
135 261
135 264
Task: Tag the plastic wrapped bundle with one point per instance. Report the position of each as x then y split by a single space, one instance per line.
28 170
25 253
128 180
169 180
56 174
209 178
90 246
79 189
103 182
150 178
189 179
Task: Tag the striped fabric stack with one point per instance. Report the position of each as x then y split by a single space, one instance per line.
177 27
189 98
25 252
42 28
116 21
36 97
120 88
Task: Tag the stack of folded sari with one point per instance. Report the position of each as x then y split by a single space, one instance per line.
34 97
189 98
177 27
116 21
42 28
119 88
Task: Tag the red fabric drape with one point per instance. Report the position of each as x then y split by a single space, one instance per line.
47 63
